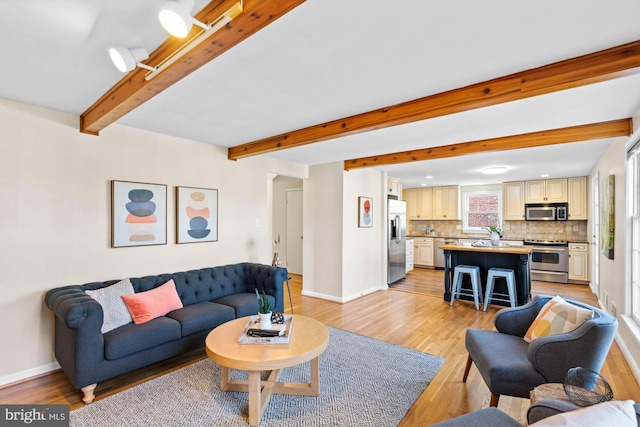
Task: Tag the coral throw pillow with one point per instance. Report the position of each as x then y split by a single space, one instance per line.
148 305
557 317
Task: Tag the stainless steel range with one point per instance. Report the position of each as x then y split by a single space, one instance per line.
549 260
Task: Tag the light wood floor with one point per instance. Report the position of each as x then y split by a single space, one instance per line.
411 313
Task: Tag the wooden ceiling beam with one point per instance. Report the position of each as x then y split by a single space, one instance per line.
133 90
583 70
587 132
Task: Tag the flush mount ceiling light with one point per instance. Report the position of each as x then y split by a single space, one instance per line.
127 59
494 170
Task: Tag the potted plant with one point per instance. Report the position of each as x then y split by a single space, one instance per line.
264 310
495 232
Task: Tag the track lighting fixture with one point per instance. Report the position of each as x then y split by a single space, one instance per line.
176 18
127 59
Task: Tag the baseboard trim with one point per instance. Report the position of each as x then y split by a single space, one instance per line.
29 374
343 299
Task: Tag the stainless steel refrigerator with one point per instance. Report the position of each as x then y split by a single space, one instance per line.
396 241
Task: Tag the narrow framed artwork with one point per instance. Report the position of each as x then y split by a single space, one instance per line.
607 216
196 215
365 210
138 214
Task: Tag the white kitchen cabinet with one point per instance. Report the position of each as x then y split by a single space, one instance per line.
410 252
419 203
546 191
513 201
577 197
446 202
394 188
579 262
423 252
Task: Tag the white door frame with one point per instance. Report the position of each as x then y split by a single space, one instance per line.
595 235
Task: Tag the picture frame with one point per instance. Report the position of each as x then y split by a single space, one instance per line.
196 215
365 212
138 214
607 216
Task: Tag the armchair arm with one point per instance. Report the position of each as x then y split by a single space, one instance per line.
516 320
74 307
587 346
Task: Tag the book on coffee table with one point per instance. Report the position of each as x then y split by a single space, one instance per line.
277 334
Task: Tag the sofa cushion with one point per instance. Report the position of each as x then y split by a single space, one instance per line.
132 338
201 317
502 360
145 306
557 317
245 304
617 413
114 310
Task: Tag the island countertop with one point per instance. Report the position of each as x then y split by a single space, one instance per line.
516 250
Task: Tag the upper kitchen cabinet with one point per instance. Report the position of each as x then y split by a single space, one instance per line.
446 202
513 201
546 191
419 203
577 197
394 188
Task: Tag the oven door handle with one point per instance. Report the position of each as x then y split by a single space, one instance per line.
548 250
557 273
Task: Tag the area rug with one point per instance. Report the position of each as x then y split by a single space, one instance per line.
363 382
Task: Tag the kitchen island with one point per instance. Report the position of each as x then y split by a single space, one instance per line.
516 258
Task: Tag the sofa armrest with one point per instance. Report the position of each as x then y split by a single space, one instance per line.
74 307
548 407
516 320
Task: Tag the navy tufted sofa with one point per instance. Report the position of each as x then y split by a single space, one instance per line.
211 296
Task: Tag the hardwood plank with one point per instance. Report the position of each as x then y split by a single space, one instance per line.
587 132
436 328
583 70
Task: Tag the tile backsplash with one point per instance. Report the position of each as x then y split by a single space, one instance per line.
571 231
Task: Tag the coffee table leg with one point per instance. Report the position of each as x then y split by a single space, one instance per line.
225 377
255 395
315 376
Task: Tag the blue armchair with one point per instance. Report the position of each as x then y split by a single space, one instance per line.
511 366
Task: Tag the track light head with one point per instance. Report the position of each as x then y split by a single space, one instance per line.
175 17
127 59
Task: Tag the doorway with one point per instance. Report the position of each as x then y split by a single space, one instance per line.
287 221
294 231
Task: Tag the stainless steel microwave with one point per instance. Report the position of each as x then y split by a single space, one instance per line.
546 211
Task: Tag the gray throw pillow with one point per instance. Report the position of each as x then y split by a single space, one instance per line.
115 311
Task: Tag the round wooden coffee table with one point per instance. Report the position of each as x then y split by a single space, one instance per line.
309 339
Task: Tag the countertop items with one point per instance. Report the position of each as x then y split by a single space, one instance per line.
517 250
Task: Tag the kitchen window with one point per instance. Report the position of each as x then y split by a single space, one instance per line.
481 209
633 207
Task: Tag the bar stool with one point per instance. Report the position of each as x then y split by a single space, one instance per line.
509 276
476 289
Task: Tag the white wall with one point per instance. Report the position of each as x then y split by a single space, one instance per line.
345 261
364 249
54 225
322 230
612 271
